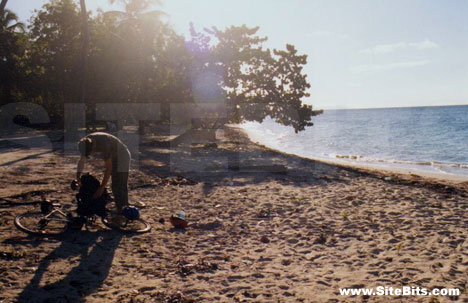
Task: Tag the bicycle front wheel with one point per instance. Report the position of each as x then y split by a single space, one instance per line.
128 226
38 224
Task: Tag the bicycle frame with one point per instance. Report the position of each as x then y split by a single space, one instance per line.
56 215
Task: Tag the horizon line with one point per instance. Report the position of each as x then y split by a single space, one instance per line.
390 107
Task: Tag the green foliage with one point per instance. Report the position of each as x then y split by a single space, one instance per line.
13 43
257 82
131 54
54 55
136 57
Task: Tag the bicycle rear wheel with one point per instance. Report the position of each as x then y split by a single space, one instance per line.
38 224
128 226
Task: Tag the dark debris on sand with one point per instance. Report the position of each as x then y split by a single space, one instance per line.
173 181
185 268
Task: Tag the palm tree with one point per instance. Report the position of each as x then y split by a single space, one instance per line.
137 29
137 10
137 18
2 6
9 21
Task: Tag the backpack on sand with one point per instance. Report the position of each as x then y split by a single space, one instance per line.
87 206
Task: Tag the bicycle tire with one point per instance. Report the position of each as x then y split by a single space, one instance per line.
30 223
138 226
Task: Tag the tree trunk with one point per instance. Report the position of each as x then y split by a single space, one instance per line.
71 124
85 47
2 6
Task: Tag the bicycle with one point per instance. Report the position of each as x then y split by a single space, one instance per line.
54 220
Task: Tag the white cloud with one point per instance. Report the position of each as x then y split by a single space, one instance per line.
369 68
384 48
389 48
426 44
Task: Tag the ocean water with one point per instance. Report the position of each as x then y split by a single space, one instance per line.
431 139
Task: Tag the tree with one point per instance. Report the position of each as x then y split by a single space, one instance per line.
136 10
257 82
138 36
136 57
54 56
12 48
133 56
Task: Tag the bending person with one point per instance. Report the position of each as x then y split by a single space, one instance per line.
117 164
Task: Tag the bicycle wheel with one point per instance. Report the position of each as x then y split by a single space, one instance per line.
38 224
128 226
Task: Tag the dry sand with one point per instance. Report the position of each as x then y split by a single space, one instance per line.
274 228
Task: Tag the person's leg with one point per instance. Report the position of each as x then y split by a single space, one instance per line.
120 190
120 169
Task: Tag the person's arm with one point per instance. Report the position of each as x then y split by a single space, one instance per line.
105 179
80 168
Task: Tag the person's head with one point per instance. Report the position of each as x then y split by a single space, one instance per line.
85 147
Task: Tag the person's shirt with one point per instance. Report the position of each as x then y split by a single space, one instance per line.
110 147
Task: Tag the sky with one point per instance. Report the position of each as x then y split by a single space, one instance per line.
361 53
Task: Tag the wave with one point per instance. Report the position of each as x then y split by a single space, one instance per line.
459 169
396 161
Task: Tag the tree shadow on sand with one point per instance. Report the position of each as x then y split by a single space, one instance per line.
59 278
236 162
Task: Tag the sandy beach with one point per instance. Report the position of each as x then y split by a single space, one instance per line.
263 227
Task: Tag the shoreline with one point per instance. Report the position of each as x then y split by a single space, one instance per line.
370 167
